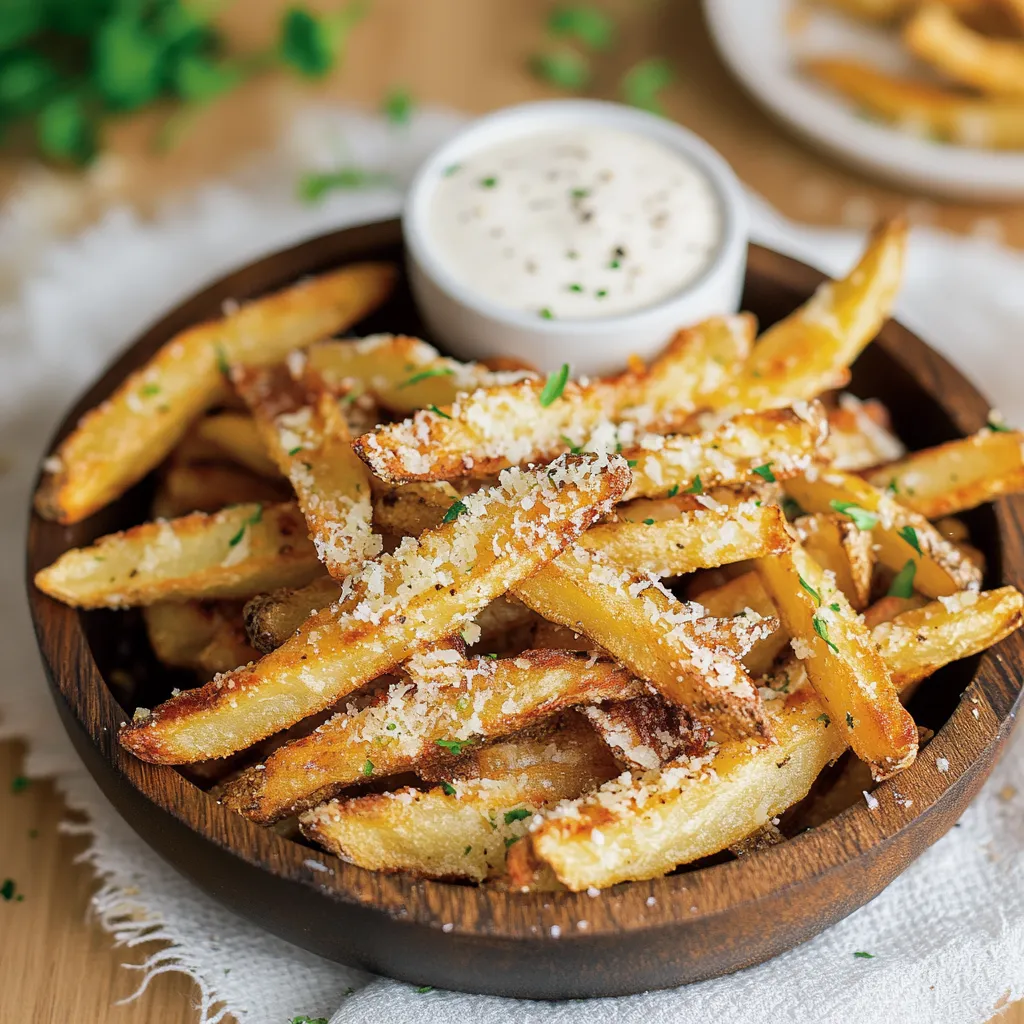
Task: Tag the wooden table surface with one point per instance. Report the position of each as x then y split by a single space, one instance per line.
55 964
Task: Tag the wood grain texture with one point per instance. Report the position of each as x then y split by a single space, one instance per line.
502 942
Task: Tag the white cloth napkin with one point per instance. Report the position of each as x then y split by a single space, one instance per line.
947 936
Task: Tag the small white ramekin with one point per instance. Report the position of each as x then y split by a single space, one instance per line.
473 327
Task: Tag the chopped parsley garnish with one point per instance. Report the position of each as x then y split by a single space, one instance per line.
695 488
19 784
765 472
251 521
493 657
222 360
909 534
517 815
601 293
674 490
834 606
439 412
903 582
648 522
367 768
398 106
864 956
998 426
849 720
295 450
7 889
554 385
435 371
614 264
575 288
303 1019
510 840
451 169
488 182
150 389
821 628
391 726
466 851
642 83
574 448
453 746
631 463
580 193
862 518
454 511
824 719
564 69
316 184
546 314
893 487
810 590
791 507
584 24
449 789
424 989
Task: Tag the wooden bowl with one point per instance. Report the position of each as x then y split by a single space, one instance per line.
695 924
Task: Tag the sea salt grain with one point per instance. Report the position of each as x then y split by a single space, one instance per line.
651 901
942 764
870 800
447 927
555 931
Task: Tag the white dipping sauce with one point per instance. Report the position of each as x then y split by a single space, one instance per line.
576 225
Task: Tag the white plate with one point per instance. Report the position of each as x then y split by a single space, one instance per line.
752 37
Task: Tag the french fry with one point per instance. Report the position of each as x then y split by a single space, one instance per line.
899 534
402 374
748 449
445 705
734 598
811 350
859 435
922 108
227 649
840 547
234 435
270 619
642 826
237 552
202 487
689 657
841 660
409 509
463 830
117 443
692 540
533 421
958 475
427 589
179 630
938 37
307 437
651 823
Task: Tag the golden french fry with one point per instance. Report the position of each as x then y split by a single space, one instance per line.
270 619
841 660
178 631
237 552
899 535
692 539
811 350
307 437
840 547
427 589
938 37
443 706
464 828
859 435
233 435
118 442
533 421
924 109
692 659
958 475
204 487
409 509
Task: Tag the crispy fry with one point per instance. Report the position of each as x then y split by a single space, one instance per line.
747 449
692 659
841 661
445 704
270 619
237 552
837 545
859 435
201 487
402 374
394 605
307 437
810 350
233 435
692 539
924 109
521 423
179 630
463 830
898 533
409 509
958 475
938 37
117 443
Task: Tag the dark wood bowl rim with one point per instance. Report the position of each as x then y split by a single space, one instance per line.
966 740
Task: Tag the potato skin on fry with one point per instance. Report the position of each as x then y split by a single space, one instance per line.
396 603
118 442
